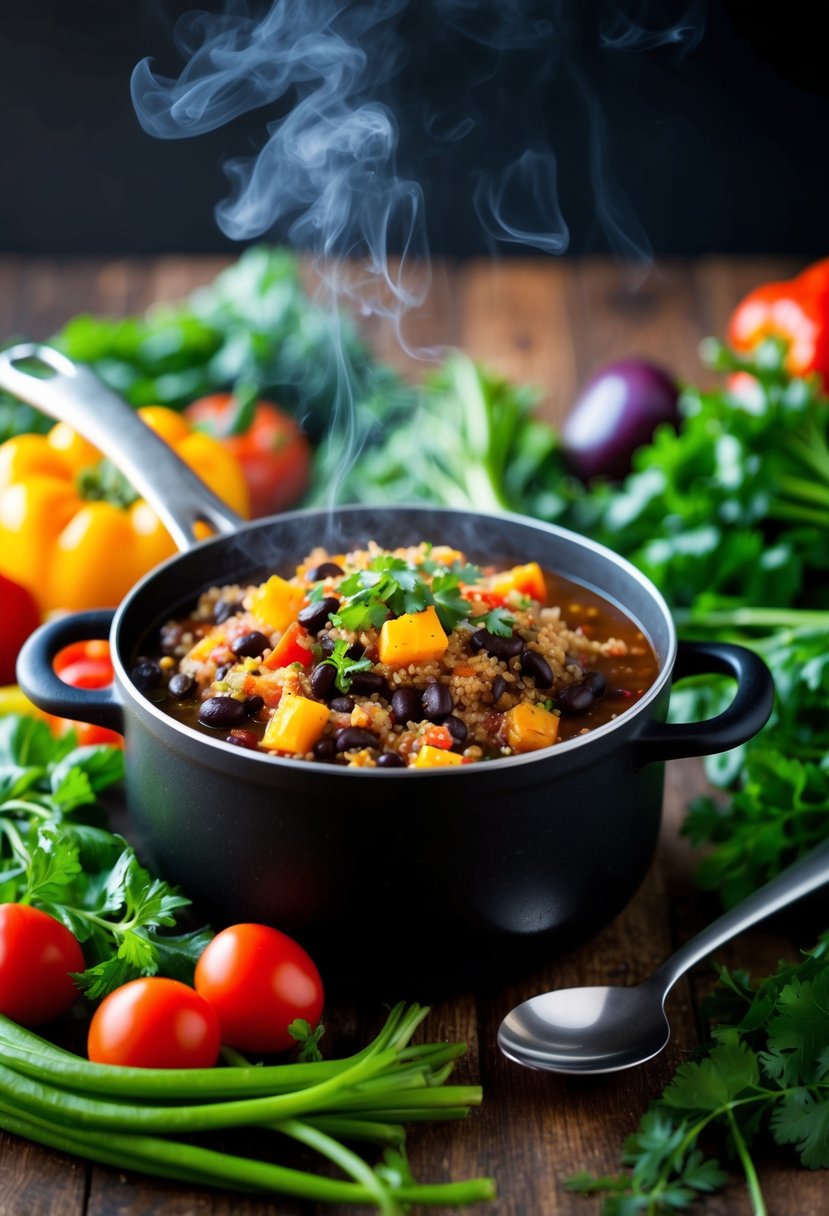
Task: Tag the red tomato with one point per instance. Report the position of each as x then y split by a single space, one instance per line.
37 954
87 665
274 453
154 1023
19 616
258 980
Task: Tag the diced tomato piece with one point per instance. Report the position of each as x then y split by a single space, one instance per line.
438 736
288 649
270 692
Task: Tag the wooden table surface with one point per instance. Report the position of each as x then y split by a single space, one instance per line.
551 323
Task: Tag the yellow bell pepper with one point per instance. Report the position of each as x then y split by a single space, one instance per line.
77 540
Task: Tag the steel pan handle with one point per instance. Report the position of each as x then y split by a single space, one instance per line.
73 394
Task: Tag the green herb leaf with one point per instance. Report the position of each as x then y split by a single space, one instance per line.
344 666
498 621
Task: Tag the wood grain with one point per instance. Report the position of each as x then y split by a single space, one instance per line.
551 324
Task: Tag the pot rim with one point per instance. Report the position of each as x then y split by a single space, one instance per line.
167 721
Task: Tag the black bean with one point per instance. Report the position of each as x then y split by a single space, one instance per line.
244 738
315 615
575 699
146 675
222 671
325 749
596 682
342 705
322 680
437 702
225 609
250 645
499 687
355 651
324 570
492 643
351 737
456 727
364 683
181 686
326 644
253 705
536 667
390 760
405 705
222 712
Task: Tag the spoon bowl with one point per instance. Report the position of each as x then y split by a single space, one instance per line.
601 1029
608 1028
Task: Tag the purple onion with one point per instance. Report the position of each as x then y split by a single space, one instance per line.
615 413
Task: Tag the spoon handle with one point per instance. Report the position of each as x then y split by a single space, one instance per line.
804 876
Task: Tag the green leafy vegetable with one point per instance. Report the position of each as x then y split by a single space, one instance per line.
467 439
767 1070
55 853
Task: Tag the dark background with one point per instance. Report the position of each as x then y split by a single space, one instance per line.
722 150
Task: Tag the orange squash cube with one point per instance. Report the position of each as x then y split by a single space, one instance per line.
296 725
529 580
530 727
435 757
414 637
276 603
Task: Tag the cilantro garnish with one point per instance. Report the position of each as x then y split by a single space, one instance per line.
767 1069
344 666
390 587
498 621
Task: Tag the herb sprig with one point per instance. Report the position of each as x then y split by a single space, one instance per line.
56 853
767 1070
390 587
344 666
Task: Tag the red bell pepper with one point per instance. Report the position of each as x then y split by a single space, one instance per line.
19 616
796 310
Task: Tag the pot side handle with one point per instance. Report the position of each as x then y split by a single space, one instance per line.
48 691
745 716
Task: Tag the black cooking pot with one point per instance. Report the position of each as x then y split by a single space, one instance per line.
439 873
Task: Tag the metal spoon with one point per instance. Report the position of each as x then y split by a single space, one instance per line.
605 1029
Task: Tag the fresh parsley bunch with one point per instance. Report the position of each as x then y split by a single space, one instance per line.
57 854
767 1073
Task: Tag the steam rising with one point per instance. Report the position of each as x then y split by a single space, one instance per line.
326 75
645 25
327 171
526 190
323 73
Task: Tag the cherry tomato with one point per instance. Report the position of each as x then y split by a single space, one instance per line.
87 665
274 453
19 616
258 980
37 953
154 1022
